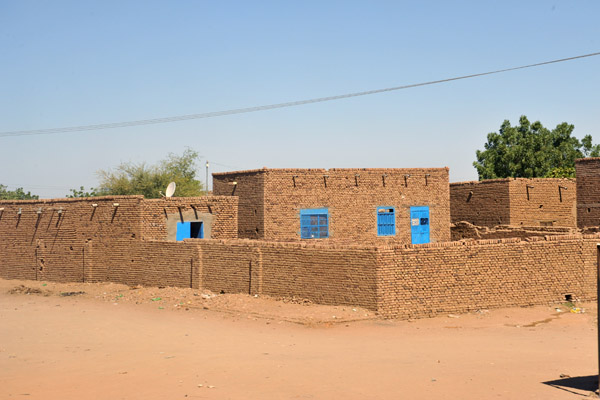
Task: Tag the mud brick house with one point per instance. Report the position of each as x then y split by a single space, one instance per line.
134 241
587 171
56 239
515 202
351 205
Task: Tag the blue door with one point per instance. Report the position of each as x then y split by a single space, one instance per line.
419 224
184 229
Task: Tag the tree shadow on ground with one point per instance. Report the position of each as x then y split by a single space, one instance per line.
580 385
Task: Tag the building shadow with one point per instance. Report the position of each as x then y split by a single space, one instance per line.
580 385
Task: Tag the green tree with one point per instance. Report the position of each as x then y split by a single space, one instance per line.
561 172
81 192
151 181
17 194
531 150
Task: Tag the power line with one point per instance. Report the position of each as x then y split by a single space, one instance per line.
272 106
223 165
32 186
35 186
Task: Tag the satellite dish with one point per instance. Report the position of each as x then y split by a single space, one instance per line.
170 189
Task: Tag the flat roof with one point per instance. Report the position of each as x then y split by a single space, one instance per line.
496 180
321 170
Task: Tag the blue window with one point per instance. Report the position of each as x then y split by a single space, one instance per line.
314 223
186 230
386 221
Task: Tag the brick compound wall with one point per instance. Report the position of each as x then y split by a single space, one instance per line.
46 239
515 201
409 281
82 243
322 273
457 277
464 230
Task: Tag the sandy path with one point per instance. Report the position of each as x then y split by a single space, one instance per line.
84 348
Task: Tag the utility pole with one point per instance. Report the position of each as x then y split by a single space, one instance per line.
207 177
598 304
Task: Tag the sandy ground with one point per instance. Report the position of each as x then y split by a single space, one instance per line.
116 342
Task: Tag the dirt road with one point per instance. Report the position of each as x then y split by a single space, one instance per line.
112 342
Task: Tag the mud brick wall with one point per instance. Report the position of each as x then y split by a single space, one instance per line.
104 243
147 263
324 274
345 276
249 189
222 211
543 202
464 230
587 171
47 240
455 277
55 239
229 267
484 203
531 202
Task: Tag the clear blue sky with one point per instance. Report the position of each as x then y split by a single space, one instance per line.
66 63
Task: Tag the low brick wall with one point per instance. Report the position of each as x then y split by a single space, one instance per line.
147 263
324 274
464 230
425 280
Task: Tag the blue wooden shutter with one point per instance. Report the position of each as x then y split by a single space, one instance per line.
183 231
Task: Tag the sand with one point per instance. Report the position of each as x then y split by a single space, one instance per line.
116 342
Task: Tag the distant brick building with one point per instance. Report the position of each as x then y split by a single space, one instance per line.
587 171
515 201
354 205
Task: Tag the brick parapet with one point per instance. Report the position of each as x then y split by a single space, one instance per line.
72 200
